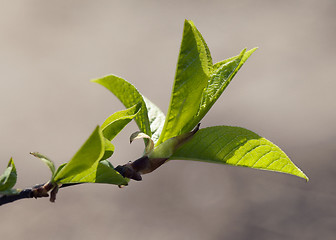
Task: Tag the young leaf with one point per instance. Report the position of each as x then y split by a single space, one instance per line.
156 119
46 160
198 83
238 147
129 96
89 154
220 78
114 124
109 149
100 172
140 135
117 121
150 119
8 178
194 67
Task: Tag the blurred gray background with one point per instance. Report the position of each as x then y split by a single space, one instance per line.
49 50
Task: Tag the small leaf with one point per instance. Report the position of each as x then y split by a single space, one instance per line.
109 149
150 119
220 78
141 135
156 119
60 168
129 96
117 121
114 124
238 147
88 155
100 172
8 178
46 160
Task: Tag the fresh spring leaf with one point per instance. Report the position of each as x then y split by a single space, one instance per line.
222 74
59 169
114 124
129 96
8 178
109 149
90 153
194 67
86 166
100 172
156 119
46 160
198 83
238 147
150 119
117 121
140 135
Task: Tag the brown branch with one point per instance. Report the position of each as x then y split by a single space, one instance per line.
38 191
144 165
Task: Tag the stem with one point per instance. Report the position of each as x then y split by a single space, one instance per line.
38 191
26 193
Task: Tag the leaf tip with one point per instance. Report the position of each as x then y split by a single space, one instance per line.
189 23
94 80
301 174
11 163
305 177
253 49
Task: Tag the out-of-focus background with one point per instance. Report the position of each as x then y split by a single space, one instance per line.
49 50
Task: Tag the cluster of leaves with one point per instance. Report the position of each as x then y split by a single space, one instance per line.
198 84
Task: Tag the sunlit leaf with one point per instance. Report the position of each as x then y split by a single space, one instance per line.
129 96
194 67
141 135
109 149
198 83
156 119
114 124
46 160
150 118
220 78
8 178
117 121
238 147
89 154
100 172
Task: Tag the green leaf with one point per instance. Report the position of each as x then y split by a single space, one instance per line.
87 165
194 67
198 83
156 119
8 178
46 160
238 147
129 96
220 78
150 119
88 155
114 124
140 135
109 149
100 172
60 168
117 121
